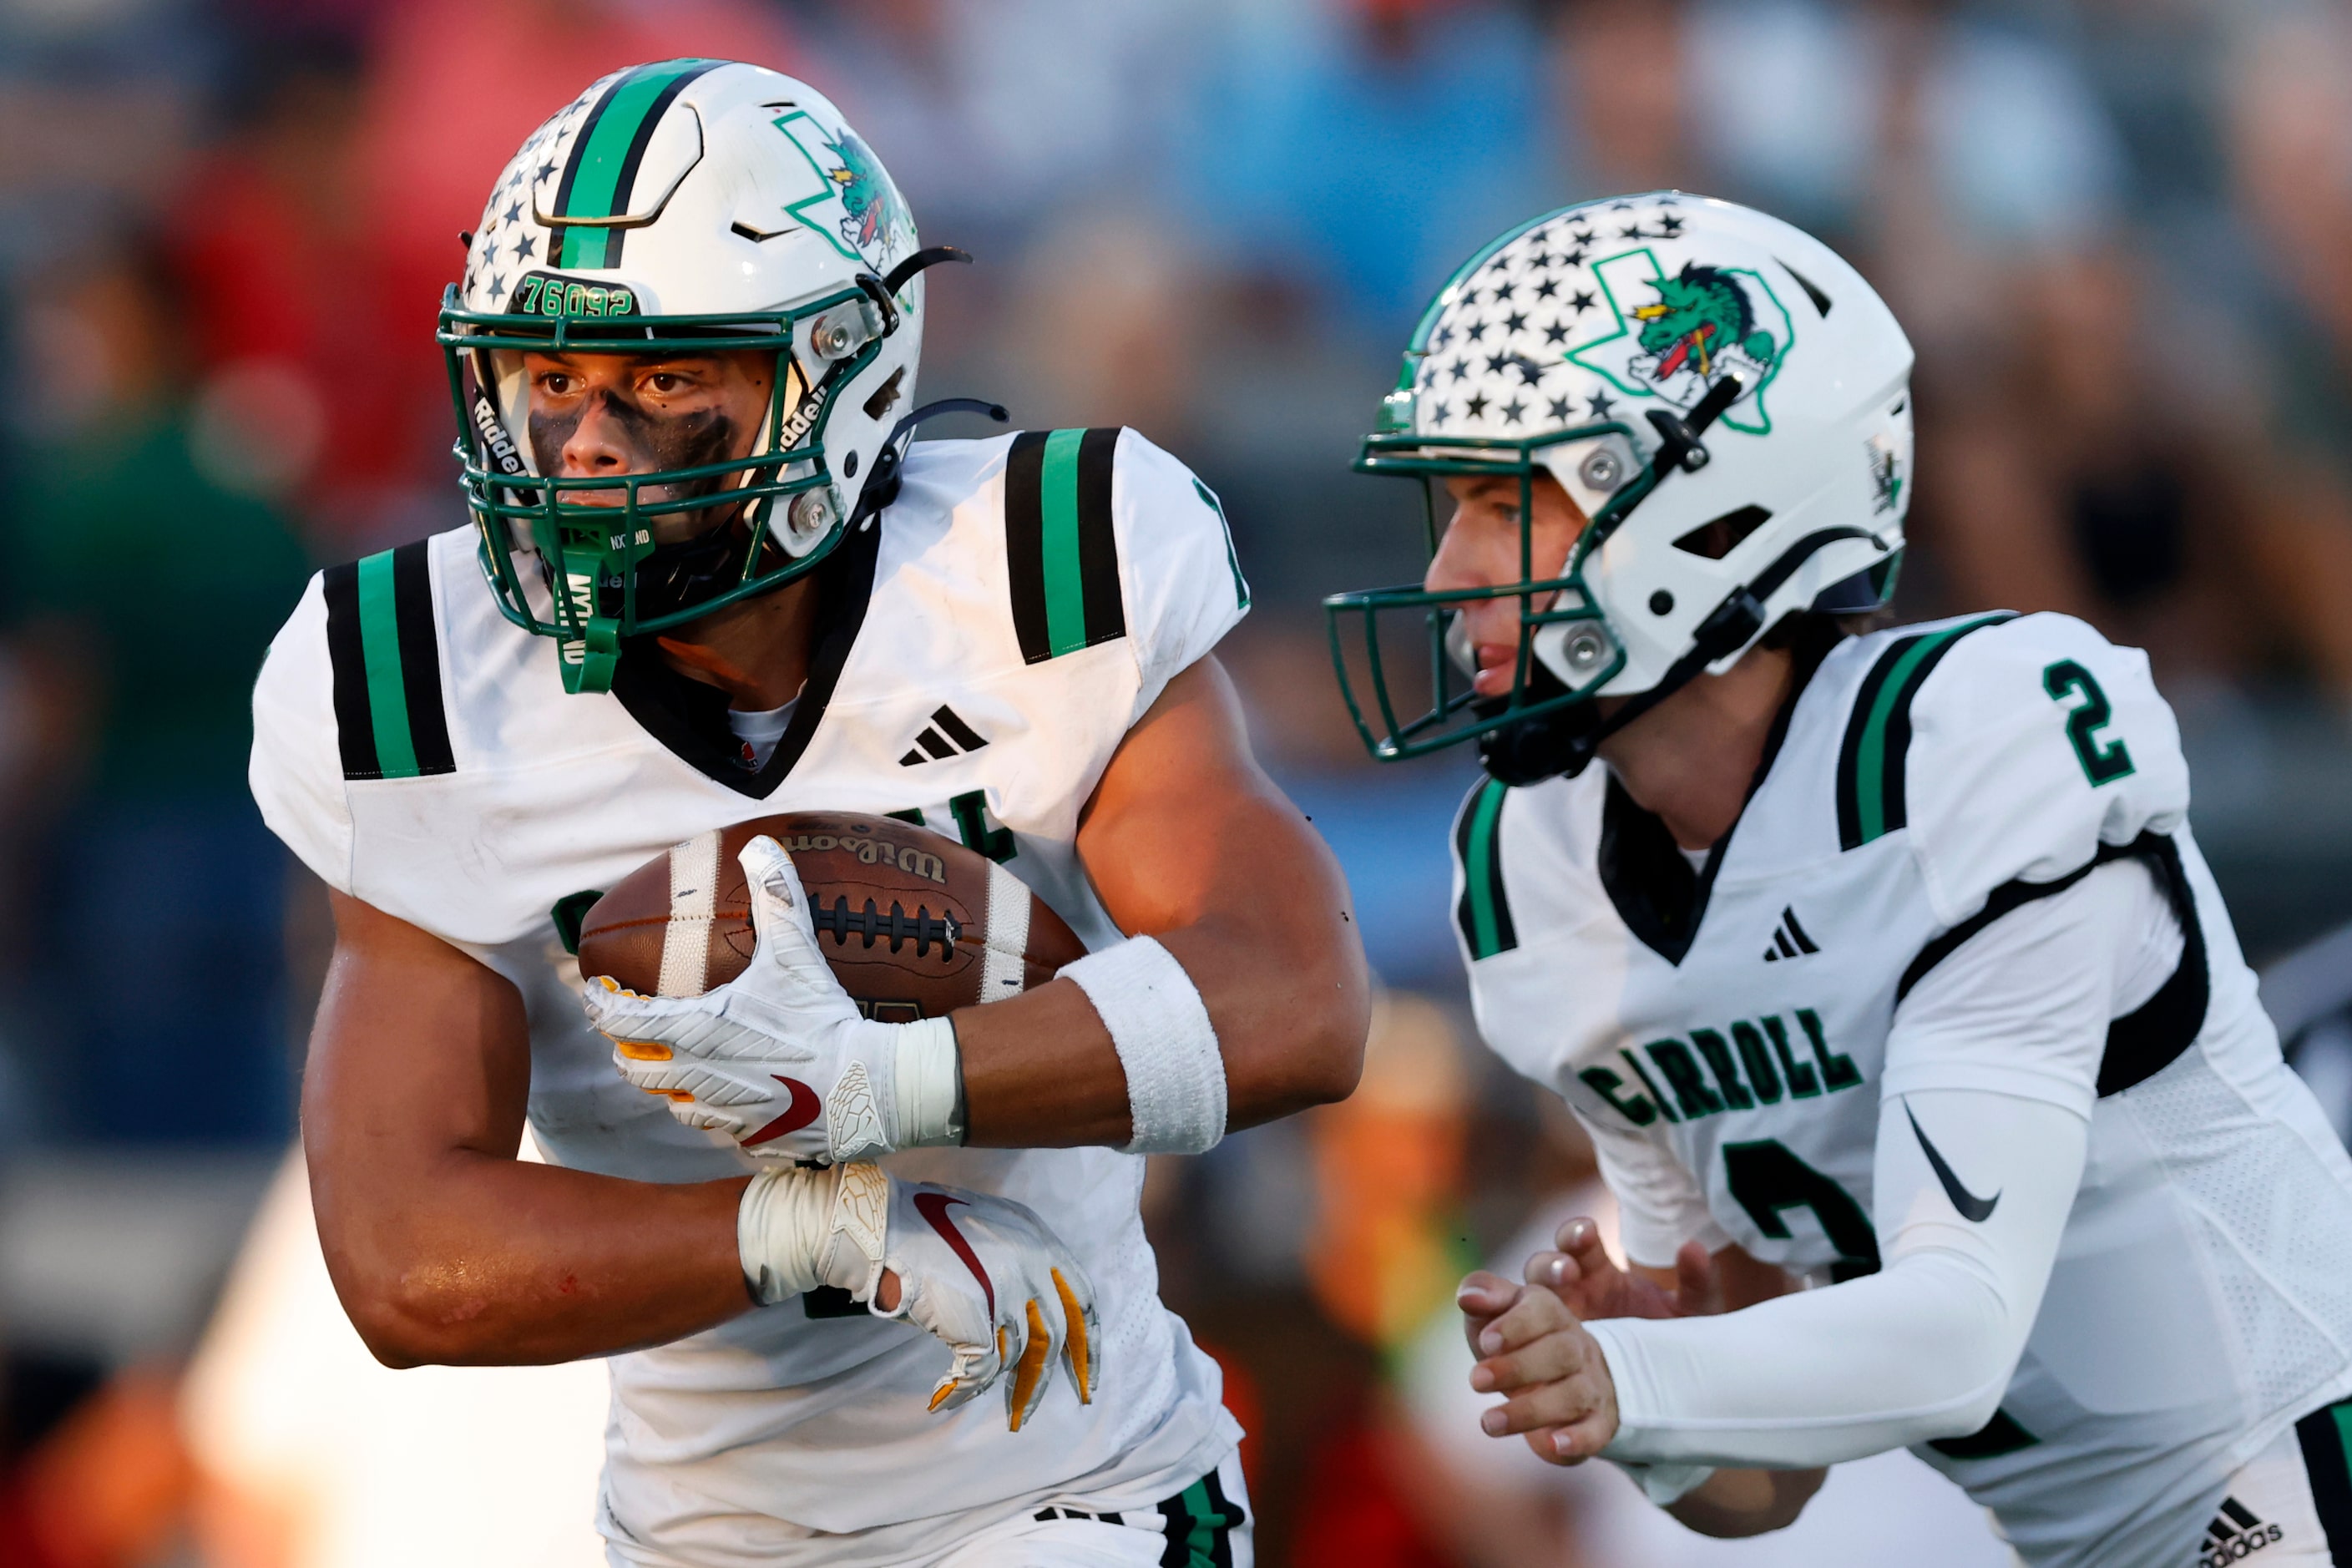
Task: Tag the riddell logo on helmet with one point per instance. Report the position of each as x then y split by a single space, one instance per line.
494 437
546 294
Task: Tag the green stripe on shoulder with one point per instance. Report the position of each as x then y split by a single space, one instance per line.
1061 546
380 645
1057 495
386 656
1484 912
1871 789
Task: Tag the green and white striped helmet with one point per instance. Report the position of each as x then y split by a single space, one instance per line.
688 206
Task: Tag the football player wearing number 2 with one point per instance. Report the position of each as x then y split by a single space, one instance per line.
709 580
1877 961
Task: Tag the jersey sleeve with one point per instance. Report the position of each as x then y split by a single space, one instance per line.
2022 1006
2025 747
1178 572
297 773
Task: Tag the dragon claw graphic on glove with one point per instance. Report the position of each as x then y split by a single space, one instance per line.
778 1059
982 1274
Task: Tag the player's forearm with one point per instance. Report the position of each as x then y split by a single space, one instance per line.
1040 1069
1250 1001
482 1260
1919 1351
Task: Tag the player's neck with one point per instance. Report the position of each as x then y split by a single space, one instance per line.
1690 759
755 650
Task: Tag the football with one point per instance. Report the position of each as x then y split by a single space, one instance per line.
914 925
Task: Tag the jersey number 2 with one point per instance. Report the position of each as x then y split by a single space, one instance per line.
1766 1177
2103 761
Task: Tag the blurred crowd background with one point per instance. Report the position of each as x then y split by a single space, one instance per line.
2119 232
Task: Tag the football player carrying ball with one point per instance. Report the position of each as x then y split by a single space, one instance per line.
1880 960
709 580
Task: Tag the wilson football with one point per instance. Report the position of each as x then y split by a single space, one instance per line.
913 924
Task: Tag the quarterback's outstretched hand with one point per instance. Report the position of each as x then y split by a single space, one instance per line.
1582 1274
982 1274
778 1059
1561 1394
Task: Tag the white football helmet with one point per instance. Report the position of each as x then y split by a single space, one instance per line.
1726 400
684 205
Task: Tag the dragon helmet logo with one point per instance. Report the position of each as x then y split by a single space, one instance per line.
1673 335
855 206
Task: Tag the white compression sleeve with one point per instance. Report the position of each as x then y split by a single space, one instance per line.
1994 1055
1166 1044
1923 1349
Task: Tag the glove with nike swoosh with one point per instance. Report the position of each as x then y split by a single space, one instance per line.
778 1059
982 1274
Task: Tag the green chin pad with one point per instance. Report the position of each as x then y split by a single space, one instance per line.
588 663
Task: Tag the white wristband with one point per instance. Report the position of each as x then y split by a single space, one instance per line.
1160 1029
796 1229
927 1087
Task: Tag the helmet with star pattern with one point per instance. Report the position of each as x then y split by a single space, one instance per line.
1722 396
683 206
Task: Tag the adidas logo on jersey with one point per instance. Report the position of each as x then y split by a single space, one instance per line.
945 736
2234 1534
1789 938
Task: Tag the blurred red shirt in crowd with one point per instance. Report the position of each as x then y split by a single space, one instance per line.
315 240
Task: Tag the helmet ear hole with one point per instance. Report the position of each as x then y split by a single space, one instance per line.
1719 536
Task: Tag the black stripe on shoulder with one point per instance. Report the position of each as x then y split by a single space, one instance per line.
1898 725
1024 543
1484 912
1872 800
354 722
420 658
1098 539
1865 701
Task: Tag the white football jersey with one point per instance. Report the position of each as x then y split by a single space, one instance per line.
1724 1033
983 649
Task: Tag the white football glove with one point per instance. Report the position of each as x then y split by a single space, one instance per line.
982 1274
778 1059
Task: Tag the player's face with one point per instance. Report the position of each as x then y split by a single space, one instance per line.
1480 549
600 415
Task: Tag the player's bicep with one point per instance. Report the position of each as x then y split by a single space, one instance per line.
1188 841
418 1050
1184 825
